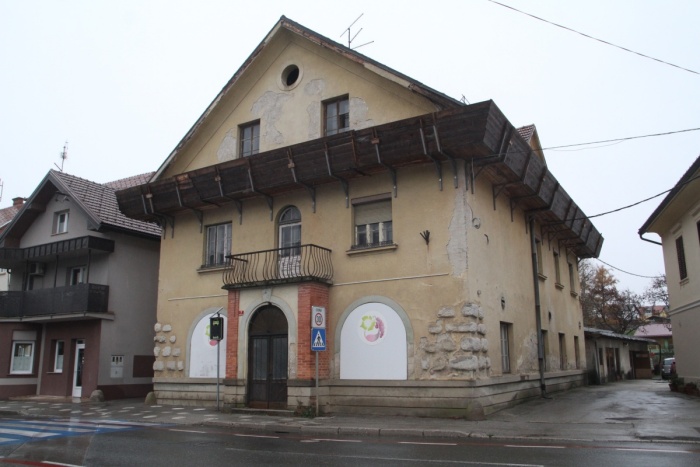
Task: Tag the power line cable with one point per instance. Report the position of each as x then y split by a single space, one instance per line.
628 138
595 38
627 272
637 203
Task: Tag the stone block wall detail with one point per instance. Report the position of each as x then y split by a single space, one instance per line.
456 346
167 356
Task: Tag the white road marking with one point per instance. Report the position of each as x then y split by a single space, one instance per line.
653 450
188 431
533 447
256 436
428 444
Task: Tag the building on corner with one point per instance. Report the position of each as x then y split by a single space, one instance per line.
319 179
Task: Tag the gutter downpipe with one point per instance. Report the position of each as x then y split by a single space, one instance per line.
648 240
538 314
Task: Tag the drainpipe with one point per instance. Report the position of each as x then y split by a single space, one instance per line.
641 235
538 314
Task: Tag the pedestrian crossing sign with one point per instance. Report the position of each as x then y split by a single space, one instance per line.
318 339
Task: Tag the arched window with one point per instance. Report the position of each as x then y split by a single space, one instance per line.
290 232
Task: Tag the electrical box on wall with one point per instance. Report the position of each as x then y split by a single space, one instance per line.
117 368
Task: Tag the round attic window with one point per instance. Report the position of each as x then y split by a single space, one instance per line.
291 75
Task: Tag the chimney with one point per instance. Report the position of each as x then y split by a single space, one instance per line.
18 202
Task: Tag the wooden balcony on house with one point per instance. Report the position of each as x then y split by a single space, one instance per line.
54 302
303 263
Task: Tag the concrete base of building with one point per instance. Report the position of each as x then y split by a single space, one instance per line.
471 400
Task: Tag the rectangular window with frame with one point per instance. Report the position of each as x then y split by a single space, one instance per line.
505 346
557 270
540 267
22 358
58 357
572 278
336 116
373 224
218 244
60 222
250 139
680 253
577 353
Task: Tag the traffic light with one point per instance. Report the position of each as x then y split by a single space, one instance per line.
216 328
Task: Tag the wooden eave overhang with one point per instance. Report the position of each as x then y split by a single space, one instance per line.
478 134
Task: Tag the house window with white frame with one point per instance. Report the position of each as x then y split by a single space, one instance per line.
60 222
336 116
59 350
250 139
373 223
505 347
22 358
218 245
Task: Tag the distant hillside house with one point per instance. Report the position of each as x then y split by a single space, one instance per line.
328 206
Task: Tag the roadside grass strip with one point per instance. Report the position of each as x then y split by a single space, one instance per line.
13 431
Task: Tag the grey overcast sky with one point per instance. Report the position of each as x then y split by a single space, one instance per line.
123 81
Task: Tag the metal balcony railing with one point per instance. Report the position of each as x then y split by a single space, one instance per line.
303 263
79 298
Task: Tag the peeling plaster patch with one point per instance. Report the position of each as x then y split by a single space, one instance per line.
227 148
358 114
268 108
158 365
315 87
457 245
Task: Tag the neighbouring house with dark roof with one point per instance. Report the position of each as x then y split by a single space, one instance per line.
677 221
612 357
6 215
328 206
79 312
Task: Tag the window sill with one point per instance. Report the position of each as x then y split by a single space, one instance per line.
376 249
574 294
684 281
559 286
215 268
541 276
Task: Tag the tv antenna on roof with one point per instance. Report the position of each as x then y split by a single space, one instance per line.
63 156
351 37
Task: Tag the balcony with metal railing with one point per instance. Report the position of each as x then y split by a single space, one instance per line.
303 263
54 302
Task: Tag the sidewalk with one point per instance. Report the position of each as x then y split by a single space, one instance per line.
641 411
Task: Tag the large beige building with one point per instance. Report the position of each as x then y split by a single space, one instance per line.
320 184
677 221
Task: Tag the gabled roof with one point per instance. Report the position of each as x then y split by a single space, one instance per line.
689 176
440 100
7 214
654 330
526 132
98 202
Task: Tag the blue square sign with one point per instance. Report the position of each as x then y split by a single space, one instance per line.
318 339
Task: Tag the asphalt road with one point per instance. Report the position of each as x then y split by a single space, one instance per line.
61 442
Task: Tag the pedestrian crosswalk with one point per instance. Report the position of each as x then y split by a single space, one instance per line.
13 431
